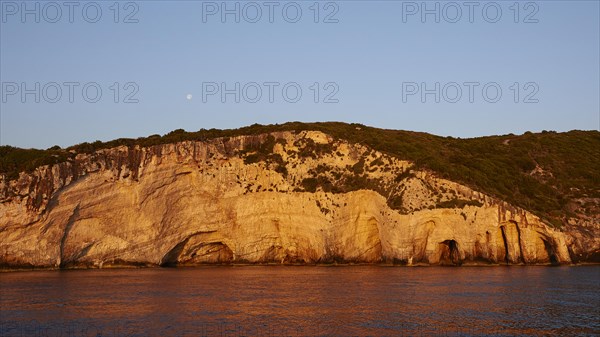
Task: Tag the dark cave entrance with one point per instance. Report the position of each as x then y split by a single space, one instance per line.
171 258
449 253
551 252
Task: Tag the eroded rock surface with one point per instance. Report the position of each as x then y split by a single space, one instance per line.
281 197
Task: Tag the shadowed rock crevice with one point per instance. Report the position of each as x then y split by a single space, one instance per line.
372 243
505 255
194 251
273 254
520 242
419 247
63 260
483 252
208 253
551 252
449 253
172 257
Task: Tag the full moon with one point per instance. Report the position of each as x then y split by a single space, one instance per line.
189 97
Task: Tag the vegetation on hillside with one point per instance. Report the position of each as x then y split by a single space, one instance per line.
542 172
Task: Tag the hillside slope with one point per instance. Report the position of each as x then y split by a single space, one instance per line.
284 194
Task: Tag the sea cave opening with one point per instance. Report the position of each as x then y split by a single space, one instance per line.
449 253
551 252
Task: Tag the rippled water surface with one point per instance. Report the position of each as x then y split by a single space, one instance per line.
277 300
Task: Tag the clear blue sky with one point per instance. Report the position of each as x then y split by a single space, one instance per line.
374 54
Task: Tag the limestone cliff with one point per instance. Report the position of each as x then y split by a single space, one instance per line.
283 197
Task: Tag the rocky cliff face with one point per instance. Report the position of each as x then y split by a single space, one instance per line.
282 198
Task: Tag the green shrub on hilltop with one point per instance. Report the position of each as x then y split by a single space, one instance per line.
15 160
458 203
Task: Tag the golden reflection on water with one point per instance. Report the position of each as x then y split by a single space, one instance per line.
302 301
